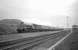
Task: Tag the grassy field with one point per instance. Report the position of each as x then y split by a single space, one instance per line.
71 43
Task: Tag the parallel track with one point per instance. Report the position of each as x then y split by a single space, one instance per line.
28 43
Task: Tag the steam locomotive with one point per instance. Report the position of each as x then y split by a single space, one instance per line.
34 28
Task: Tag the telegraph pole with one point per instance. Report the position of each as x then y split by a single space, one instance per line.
67 23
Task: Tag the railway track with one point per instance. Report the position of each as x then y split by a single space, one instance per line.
31 42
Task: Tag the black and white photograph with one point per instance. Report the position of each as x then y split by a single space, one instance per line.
38 25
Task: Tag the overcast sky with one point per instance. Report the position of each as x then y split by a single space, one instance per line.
46 12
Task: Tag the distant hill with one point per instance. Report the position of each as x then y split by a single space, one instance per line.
9 25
